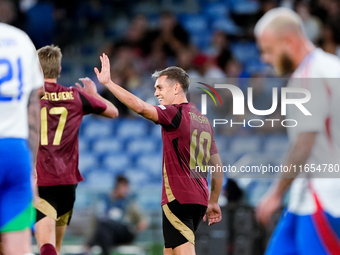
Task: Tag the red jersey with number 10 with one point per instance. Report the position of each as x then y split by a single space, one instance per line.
62 110
188 141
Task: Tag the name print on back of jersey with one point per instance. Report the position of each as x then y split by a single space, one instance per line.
54 96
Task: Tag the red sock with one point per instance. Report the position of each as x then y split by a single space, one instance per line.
48 249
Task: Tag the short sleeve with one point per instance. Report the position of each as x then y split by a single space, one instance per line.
91 104
37 77
169 116
317 106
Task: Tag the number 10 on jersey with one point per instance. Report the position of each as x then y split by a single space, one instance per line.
197 160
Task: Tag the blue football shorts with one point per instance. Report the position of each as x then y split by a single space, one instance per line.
16 201
298 235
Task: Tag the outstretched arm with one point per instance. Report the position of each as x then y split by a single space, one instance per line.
134 103
297 156
91 89
214 211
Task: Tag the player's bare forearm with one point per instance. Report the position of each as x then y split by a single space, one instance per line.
216 178
216 185
297 156
111 110
214 211
91 89
126 97
34 122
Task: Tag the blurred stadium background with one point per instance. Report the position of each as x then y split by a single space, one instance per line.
209 39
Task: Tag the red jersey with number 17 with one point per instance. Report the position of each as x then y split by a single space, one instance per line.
62 110
188 142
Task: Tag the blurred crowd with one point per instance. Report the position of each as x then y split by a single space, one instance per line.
153 38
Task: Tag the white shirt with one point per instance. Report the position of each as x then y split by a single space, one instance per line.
319 73
19 74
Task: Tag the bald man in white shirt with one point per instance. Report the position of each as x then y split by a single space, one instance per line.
311 224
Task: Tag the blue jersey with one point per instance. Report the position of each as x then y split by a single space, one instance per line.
20 74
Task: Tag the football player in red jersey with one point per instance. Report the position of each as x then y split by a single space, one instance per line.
185 134
62 110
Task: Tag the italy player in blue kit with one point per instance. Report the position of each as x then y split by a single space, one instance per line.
20 79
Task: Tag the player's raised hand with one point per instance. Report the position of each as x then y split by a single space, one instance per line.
89 86
214 213
104 75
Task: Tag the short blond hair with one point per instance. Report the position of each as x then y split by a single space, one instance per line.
279 20
50 61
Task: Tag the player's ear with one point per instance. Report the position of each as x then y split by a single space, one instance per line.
177 88
290 40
